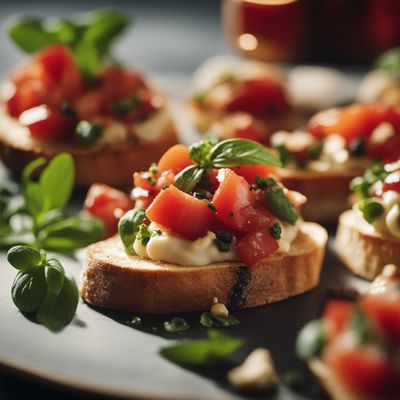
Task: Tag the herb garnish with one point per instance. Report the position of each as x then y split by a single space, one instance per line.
223 240
176 325
204 352
217 321
89 36
371 209
228 153
41 287
38 215
144 234
276 231
362 184
124 107
135 321
128 227
284 155
88 133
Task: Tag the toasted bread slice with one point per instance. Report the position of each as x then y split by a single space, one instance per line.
330 383
327 192
112 165
363 250
114 280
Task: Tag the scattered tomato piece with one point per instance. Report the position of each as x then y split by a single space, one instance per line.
175 159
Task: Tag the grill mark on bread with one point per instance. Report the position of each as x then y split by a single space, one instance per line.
237 300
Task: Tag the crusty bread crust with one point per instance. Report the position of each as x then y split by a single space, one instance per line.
327 192
202 118
330 382
114 280
363 250
112 165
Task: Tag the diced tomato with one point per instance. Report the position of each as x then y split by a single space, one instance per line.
107 204
387 151
175 159
363 371
336 316
182 213
234 203
255 246
264 98
45 123
385 310
250 172
392 182
145 180
354 121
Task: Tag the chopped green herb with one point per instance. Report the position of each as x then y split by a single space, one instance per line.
202 195
216 321
124 107
204 352
276 231
311 340
135 321
128 227
362 185
315 151
199 152
359 323
211 207
143 234
176 325
67 109
153 169
224 236
370 209
277 202
357 147
88 133
263 184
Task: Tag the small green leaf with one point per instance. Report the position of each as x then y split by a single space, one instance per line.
57 181
128 227
200 152
57 311
29 290
371 209
188 178
236 152
176 325
197 353
284 155
54 273
217 321
277 202
275 230
71 233
30 35
311 340
24 258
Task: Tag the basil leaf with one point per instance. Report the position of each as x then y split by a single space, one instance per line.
29 290
311 340
58 310
54 273
176 325
24 258
236 152
216 321
278 203
200 152
32 193
188 178
71 233
390 61
30 35
202 352
128 227
57 181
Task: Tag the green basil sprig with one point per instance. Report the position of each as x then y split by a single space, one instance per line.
89 36
197 353
38 218
42 288
227 153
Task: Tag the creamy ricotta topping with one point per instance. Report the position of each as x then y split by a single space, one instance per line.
389 221
177 250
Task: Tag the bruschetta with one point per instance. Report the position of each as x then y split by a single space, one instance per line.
209 221
368 235
245 99
354 348
334 147
112 122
